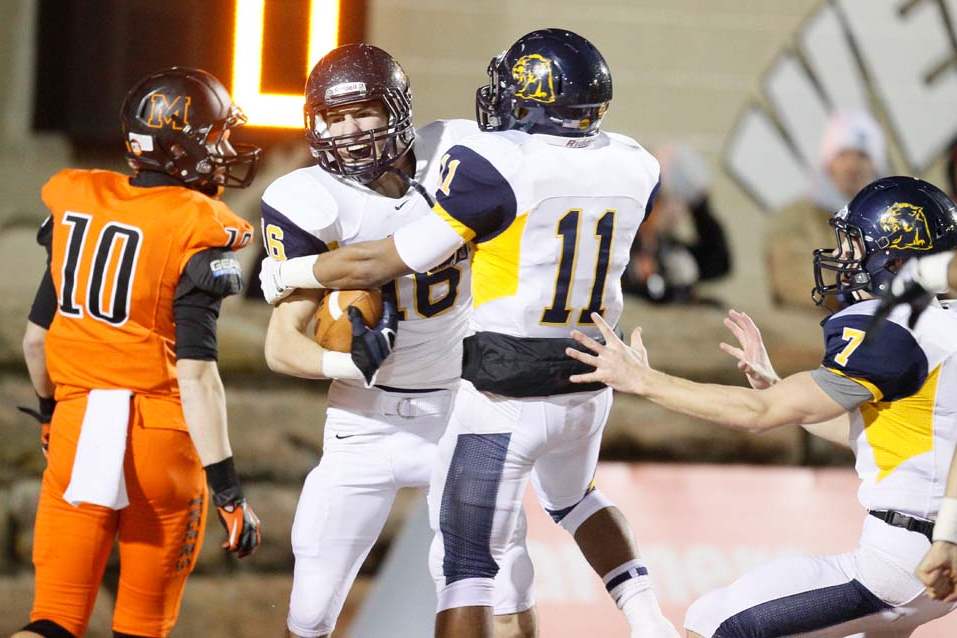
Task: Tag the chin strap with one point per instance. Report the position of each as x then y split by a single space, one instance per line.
411 183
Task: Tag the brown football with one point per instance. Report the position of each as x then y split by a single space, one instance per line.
333 330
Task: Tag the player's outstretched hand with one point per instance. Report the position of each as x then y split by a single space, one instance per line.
622 367
372 346
752 356
243 529
938 571
270 280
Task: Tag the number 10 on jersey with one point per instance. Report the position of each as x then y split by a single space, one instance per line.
569 226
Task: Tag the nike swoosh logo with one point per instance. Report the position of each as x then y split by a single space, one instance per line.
401 204
347 436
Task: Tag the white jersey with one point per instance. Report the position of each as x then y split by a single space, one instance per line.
310 211
904 433
552 220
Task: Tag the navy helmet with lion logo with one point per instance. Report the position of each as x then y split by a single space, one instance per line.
888 221
550 81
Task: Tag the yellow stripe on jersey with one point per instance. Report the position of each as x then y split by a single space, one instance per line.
873 389
495 265
460 229
900 430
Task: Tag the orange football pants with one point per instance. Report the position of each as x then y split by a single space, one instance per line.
160 533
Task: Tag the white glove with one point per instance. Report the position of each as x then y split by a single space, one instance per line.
270 280
279 278
930 273
684 173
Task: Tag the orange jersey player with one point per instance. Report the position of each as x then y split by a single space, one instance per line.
121 349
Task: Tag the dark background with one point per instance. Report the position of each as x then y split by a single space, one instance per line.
90 52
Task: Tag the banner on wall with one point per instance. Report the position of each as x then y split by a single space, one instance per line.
849 55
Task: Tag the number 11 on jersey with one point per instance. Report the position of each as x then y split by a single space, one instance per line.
568 229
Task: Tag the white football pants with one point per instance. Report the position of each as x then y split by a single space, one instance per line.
491 447
374 443
871 592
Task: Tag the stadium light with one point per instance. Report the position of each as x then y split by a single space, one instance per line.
275 109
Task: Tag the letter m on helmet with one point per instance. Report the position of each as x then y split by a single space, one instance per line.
163 112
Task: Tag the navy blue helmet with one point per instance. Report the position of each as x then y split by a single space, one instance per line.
550 81
352 74
888 221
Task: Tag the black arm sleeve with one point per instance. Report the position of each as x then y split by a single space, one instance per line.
195 314
208 277
44 302
710 251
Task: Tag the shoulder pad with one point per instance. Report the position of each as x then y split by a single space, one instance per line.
212 224
449 131
303 198
57 184
215 271
474 197
891 363
500 149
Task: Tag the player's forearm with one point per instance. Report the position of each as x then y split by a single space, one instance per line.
360 266
289 351
729 406
34 354
204 408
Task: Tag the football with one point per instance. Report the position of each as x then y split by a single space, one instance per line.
333 330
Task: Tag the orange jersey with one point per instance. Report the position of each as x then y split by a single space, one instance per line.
117 254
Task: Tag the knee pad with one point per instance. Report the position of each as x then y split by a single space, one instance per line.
48 629
469 592
571 518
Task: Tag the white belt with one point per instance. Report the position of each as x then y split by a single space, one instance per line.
404 405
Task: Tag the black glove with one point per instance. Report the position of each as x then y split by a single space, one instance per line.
43 414
371 346
243 529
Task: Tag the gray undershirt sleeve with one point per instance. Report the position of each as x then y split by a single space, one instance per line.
848 393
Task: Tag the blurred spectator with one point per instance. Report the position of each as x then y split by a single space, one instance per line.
852 155
664 268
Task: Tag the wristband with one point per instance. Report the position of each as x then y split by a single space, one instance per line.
297 273
945 529
46 405
932 272
224 481
339 365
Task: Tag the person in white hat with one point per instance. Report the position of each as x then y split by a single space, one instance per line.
852 154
